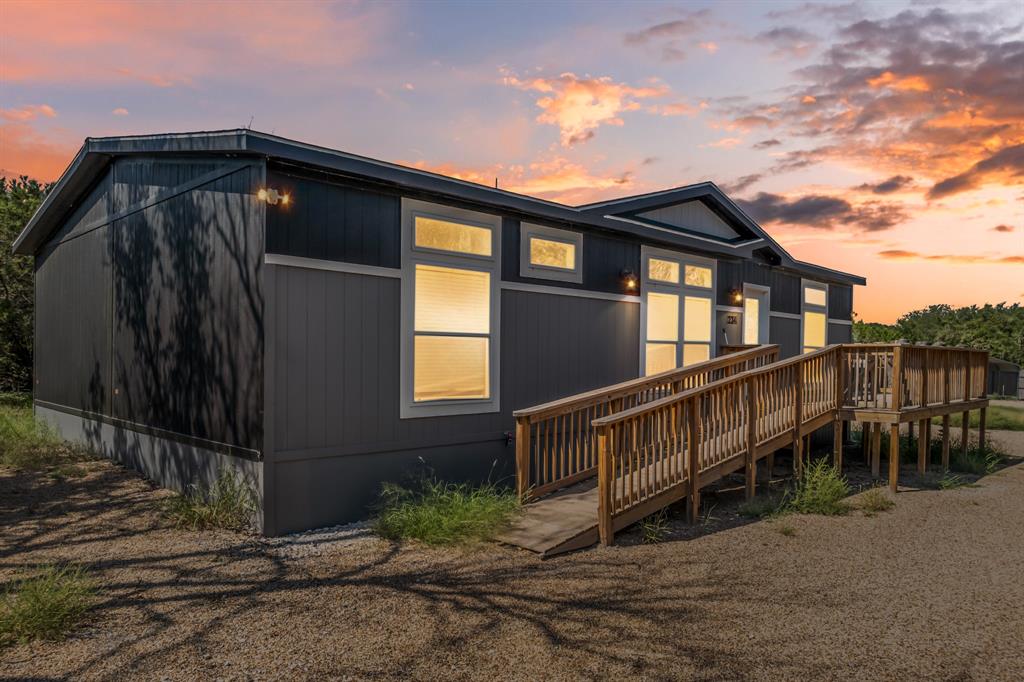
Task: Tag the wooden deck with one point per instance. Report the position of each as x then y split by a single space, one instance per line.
603 465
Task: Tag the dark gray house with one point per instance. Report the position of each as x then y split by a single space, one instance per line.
324 321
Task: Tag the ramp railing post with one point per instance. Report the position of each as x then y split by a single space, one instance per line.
604 485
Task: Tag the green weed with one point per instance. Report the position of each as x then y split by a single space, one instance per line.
45 605
229 503
821 490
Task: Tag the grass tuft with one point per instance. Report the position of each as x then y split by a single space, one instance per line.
765 507
230 503
654 528
950 481
46 605
977 460
875 500
27 443
820 491
786 530
439 513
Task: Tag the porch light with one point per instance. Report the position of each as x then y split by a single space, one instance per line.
629 280
736 295
273 197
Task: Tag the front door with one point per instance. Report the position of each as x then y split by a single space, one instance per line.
678 310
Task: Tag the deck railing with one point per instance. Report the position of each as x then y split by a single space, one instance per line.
898 377
556 444
660 451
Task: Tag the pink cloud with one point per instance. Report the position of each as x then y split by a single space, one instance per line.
579 106
120 111
28 113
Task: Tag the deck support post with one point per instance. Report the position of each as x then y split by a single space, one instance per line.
876 450
910 433
837 444
751 463
692 463
981 429
865 441
965 419
522 458
769 467
922 449
605 530
945 442
894 457
798 422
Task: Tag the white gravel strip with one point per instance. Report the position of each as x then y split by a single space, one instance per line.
321 541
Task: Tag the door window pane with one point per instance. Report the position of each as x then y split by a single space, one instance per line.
751 319
552 254
450 368
697 318
660 357
663 270
662 317
695 352
452 300
697 276
814 331
814 296
444 235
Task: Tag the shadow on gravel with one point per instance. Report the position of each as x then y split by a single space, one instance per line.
609 608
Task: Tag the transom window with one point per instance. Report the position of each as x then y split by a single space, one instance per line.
814 321
550 253
449 310
677 311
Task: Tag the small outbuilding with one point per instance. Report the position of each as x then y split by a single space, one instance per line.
1004 378
324 322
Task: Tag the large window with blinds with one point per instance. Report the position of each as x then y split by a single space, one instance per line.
814 320
678 310
449 310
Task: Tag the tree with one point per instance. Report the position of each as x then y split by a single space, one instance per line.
19 199
999 329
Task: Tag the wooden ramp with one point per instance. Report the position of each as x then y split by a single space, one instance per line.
561 522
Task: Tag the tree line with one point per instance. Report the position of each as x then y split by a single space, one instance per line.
999 329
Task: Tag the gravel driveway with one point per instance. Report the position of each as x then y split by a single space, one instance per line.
933 589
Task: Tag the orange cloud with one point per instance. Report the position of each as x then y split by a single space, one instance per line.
23 151
956 259
28 113
555 178
120 111
578 106
709 47
725 143
890 80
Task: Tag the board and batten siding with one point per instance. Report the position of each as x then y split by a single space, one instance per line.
785 288
334 340
149 309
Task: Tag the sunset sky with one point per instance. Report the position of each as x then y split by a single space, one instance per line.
884 139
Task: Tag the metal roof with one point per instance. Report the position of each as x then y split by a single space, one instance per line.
97 153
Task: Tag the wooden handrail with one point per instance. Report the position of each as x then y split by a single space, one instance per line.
627 388
556 444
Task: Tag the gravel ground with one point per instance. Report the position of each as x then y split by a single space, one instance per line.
933 589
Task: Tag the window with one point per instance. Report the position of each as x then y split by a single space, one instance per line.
756 306
549 253
449 310
814 321
677 310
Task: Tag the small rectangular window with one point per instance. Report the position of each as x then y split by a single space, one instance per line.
697 319
452 300
662 317
445 235
814 331
697 276
451 368
814 296
550 253
660 357
695 352
663 270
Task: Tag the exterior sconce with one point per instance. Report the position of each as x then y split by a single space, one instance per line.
273 197
629 280
736 296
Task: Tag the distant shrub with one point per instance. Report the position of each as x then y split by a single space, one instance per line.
45 605
439 513
229 503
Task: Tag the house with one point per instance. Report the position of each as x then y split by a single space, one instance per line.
324 322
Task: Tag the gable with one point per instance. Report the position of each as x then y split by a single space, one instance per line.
693 216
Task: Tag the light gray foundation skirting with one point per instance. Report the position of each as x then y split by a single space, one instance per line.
168 463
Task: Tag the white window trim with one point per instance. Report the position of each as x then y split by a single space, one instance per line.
804 307
411 256
680 290
764 323
528 269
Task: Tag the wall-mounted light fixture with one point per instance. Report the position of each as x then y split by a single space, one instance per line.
273 197
629 280
736 295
